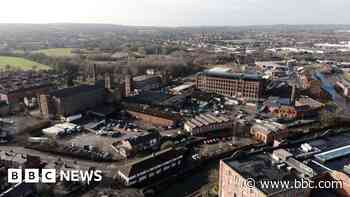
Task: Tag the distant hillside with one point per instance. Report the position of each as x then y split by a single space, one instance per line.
20 63
57 52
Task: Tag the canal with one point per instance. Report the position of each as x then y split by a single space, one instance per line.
201 179
204 177
328 82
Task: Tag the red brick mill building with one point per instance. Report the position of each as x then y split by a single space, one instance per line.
224 82
15 86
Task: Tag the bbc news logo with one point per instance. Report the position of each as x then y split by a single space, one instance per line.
52 176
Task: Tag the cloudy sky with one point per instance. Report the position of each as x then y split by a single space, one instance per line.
177 12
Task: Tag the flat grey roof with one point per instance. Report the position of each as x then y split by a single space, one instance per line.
334 153
226 73
260 167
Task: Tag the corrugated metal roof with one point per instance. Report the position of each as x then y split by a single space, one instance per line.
196 122
207 118
202 120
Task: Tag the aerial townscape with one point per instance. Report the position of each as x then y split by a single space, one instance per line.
176 111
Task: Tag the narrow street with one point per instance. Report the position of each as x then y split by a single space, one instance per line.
107 168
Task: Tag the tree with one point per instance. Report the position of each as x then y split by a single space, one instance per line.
327 118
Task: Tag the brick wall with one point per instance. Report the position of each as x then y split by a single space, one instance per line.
152 119
230 185
244 89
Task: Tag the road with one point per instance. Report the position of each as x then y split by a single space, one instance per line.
109 169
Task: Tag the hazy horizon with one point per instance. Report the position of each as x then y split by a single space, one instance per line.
170 26
177 13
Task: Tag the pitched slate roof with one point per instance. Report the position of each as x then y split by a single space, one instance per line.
151 161
226 73
143 138
67 92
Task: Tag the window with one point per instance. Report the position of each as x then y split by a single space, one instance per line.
143 178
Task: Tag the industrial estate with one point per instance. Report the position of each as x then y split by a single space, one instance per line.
195 112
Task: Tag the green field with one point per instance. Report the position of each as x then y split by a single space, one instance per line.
57 52
18 51
20 63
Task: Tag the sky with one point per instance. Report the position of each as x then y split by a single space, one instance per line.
177 12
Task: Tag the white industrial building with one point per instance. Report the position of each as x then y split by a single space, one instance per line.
61 129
